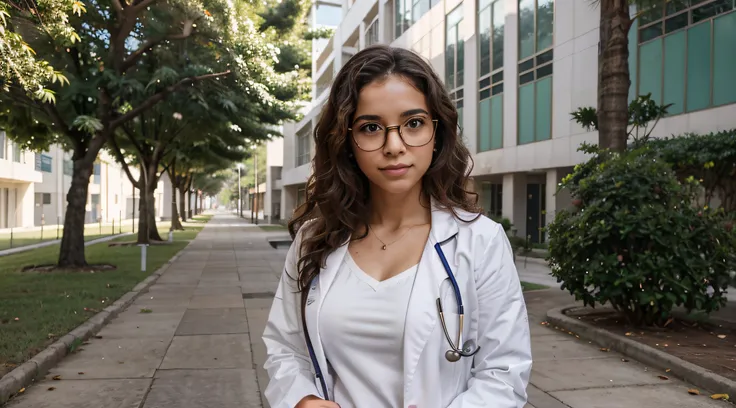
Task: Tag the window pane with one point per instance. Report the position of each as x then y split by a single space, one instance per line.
698 67
724 59
497 122
484 27
450 59
497 89
650 69
485 94
498 26
543 110
485 125
545 57
526 78
329 15
674 72
460 76
485 197
460 117
544 71
675 23
633 59
526 114
654 14
399 16
526 28
545 24
673 6
650 33
455 16
526 65
497 77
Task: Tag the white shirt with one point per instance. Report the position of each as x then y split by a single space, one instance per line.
362 329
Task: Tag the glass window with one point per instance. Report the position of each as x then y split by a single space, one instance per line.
484 32
97 173
454 60
545 24
498 27
2 144
526 114
408 12
328 15
526 28
303 146
686 54
724 59
674 71
16 153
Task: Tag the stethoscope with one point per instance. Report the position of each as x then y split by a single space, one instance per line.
454 354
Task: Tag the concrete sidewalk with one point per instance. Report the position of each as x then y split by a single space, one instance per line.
195 341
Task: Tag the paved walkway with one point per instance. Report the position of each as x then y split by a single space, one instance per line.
200 345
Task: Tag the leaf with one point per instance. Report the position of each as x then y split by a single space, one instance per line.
693 391
146 310
723 397
663 377
89 124
605 350
21 391
51 388
721 336
45 96
56 378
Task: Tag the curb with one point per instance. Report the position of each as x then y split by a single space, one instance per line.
35 368
685 370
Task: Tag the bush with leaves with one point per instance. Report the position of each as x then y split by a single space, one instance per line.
634 240
709 158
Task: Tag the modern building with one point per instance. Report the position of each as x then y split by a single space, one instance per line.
17 184
33 188
516 69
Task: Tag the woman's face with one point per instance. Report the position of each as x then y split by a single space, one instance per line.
396 166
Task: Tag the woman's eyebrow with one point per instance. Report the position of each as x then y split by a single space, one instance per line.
403 115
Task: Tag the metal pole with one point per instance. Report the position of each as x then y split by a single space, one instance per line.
143 257
133 212
255 167
240 200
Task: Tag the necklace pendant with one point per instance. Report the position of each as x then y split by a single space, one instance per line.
383 247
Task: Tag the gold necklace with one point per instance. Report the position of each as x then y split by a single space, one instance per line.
396 240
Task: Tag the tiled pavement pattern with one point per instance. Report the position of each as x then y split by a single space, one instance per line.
200 346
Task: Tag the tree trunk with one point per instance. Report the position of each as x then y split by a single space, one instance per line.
175 224
71 253
143 218
196 203
613 75
152 227
183 205
190 206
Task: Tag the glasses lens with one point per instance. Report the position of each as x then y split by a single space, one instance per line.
417 131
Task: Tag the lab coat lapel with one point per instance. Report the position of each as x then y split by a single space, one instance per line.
422 316
316 298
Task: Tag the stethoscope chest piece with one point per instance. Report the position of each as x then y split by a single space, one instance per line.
452 356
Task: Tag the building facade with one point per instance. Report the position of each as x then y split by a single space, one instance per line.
516 69
33 188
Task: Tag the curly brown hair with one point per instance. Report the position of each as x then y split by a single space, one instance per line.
338 197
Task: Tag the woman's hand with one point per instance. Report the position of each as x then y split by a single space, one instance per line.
311 401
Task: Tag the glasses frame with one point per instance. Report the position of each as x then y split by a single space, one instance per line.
401 136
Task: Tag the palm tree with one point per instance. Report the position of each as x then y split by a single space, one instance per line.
613 70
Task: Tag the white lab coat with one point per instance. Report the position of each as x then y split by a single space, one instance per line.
495 318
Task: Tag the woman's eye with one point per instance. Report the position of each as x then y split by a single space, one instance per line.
370 128
415 123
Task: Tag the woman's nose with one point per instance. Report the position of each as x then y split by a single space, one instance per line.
394 144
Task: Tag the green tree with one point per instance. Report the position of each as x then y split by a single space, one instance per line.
131 56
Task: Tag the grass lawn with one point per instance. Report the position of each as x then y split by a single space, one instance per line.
49 305
272 227
91 231
526 286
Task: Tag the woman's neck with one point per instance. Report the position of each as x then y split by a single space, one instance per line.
394 211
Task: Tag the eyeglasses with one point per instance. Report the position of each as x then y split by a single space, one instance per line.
415 132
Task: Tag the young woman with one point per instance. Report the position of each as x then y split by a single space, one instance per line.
396 291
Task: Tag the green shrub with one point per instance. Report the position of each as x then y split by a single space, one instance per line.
633 238
504 221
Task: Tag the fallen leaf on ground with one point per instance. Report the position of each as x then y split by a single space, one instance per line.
56 378
721 336
21 391
146 310
605 350
16 319
693 391
51 388
663 377
720 397
624 360
629 333
668 370
98 337
81 373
